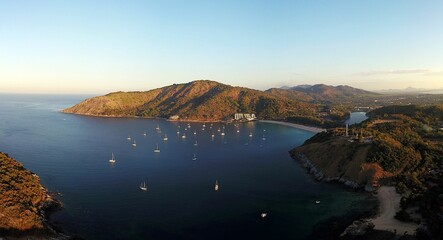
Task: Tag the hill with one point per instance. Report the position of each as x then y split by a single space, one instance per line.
320 92
23 201
201 100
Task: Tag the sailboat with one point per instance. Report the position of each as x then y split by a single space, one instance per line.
195 144
129 138
144 134
263 138
157 149
184 136
218 130
143 186
238 130
195 132
223 133
157 128
112 160
165 138
134 144
216 186
250 134
194 158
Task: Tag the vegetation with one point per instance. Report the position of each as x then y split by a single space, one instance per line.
405 142
22 198
199 100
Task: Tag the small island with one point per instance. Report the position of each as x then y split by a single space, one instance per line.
24 203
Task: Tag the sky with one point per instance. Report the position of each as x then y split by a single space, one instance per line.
104 46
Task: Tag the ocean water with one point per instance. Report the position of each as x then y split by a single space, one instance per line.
70 153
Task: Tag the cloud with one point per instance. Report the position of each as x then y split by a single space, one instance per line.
395 72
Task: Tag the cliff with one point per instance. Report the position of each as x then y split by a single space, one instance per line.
202 100
23 201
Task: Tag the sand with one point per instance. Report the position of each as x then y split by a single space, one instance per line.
299 126
389 205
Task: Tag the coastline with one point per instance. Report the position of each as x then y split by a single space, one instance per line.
295 125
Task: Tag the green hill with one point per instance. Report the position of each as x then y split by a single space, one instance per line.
201 100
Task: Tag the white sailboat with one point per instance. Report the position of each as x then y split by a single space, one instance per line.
223 133
195 144
112 160
195 132
143 186
263 138
216 186
144 134
129 137
194 158
250 134
165 138
134 144
184 136
157 149
157 128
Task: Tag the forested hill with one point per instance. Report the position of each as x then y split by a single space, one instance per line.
320 92
401 145
201 100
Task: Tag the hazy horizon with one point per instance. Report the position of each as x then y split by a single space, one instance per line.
85 47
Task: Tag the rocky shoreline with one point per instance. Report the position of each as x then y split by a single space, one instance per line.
320 176
25 204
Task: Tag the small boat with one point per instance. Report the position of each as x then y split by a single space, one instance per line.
165 138
157 128
178 132
129 138
263 215
317 201
250 134
143 186
134 144
216 186
213 135
112 160
223 133
195 132
184 136
186 129
263 138
238 130
195 144
194 158
204 125
157 149
218 130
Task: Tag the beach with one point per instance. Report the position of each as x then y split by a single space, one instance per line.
389 204
295 125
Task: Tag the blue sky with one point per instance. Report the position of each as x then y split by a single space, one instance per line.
102 46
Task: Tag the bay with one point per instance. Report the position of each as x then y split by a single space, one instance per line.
70 153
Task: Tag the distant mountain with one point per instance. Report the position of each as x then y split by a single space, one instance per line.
410 90
201 100
319 92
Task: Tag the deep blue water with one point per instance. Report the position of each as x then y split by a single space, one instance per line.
70 153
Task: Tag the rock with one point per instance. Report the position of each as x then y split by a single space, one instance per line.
358 228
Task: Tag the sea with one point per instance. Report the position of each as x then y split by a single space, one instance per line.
101 200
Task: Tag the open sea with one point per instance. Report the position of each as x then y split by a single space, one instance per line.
101 200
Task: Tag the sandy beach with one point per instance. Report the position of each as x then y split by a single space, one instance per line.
389 205
307 128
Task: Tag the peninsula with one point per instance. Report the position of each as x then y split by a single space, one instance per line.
398 146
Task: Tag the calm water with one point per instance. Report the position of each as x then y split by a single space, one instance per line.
70 153
356 117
